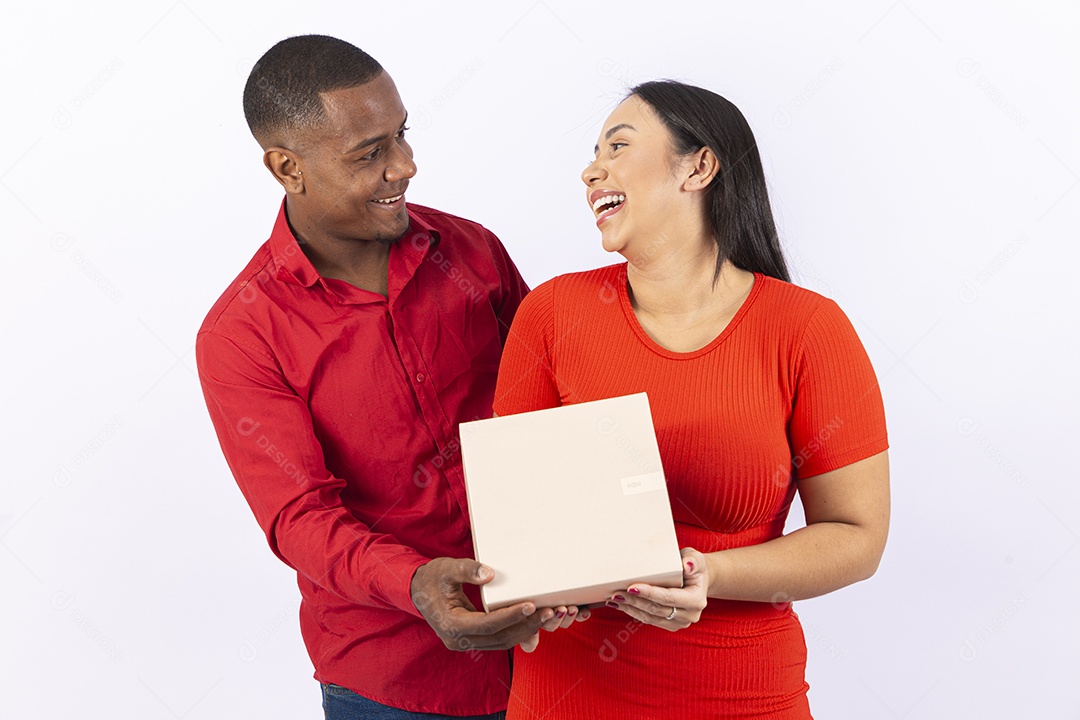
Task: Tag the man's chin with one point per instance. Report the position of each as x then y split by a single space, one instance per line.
392 237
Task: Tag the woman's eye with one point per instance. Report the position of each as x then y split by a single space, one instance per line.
616 145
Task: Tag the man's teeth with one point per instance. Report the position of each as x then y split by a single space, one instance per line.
387 201
612 200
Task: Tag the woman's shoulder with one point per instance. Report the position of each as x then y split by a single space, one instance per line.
571 295
597 284
804 316
589 280
796 304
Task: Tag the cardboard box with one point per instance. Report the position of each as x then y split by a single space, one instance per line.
569 505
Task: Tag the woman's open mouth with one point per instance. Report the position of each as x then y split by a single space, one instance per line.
607 205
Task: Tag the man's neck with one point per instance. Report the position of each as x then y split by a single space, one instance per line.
361 263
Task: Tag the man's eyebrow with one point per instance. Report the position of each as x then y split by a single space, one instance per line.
614 129
372 140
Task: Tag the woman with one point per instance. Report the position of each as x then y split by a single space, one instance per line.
757 388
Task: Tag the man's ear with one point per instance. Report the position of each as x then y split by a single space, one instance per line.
704 166
283 165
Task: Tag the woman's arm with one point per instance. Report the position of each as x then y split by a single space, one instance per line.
847 521
847 516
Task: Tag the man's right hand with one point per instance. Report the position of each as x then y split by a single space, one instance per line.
437 594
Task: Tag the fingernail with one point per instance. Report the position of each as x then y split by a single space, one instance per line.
690 565
635 591
528 610
612 605
559 614
573 613
619 598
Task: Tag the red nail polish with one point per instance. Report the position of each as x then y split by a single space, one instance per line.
690 565
612 605
619 598
573 613
559 614
635 591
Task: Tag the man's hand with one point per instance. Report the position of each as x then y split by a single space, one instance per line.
436 592
565 616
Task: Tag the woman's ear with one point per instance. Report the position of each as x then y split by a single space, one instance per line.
704 167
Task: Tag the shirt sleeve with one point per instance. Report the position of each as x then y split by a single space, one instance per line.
838 416
267 435
512 286
526 376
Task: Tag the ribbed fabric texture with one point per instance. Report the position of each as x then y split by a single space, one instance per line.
785 391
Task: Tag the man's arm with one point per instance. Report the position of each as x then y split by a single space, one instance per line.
267 435
513 288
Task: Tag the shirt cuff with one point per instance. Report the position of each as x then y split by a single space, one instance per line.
402 569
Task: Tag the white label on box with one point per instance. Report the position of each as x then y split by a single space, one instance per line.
643 483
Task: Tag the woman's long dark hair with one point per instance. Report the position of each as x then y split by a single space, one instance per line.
738 202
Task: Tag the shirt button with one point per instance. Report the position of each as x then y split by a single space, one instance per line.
419 377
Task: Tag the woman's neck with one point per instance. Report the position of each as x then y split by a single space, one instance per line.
677 281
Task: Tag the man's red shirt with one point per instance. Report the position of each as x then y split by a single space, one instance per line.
337 410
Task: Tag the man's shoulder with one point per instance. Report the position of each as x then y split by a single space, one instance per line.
461 240
244 292
443 221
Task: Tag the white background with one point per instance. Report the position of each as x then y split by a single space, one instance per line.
923 164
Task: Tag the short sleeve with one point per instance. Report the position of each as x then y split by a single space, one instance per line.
838 416
526 379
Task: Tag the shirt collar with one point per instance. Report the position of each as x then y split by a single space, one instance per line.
292 265
290 262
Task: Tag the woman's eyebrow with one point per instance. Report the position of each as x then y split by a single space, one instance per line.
614 129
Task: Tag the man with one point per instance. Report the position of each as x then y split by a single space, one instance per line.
336 369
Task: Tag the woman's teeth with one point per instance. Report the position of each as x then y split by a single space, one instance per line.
607 202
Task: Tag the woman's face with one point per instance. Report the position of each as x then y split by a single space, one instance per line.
635 181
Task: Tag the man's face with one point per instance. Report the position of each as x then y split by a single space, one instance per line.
356 165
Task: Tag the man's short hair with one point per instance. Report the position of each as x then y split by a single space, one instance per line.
282 91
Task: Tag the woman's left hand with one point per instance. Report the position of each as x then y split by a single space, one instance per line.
669 608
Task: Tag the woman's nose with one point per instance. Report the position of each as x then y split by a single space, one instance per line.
592 173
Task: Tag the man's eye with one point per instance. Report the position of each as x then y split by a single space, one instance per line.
371 155
401 132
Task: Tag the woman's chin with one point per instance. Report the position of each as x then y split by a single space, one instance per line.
611 243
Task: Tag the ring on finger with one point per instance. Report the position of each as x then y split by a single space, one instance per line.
672 615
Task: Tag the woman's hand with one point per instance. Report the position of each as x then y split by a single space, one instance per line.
565 616
669 608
